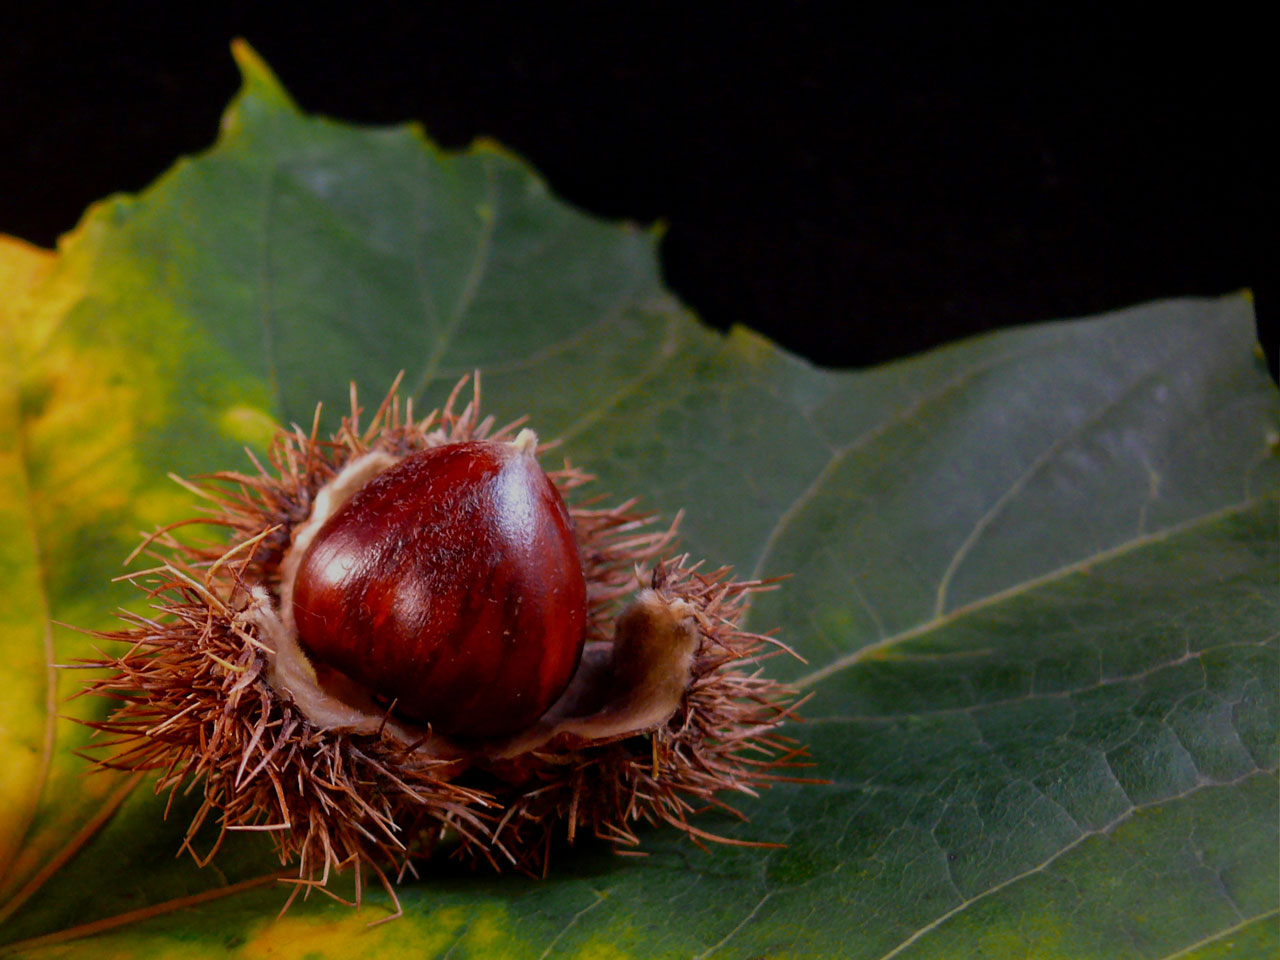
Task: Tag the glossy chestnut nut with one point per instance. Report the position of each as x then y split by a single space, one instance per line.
450 584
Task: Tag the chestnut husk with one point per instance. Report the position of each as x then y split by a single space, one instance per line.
198 695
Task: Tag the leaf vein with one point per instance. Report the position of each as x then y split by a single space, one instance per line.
1053 858
600 897
23 459
1040 462
479 266
1222 934
265 289
655 365
920 629
899 417
1040 695
738 927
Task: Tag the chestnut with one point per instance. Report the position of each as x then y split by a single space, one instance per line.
450 586
412 641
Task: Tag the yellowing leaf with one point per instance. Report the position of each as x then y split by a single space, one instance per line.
26 706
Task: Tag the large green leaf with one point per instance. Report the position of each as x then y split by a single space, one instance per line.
1035 573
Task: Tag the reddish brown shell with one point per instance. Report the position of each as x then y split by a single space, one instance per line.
451 586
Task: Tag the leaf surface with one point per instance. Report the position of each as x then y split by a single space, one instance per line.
1034 572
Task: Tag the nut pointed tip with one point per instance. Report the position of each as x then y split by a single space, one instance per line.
526 441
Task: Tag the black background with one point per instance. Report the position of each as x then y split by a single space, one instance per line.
857 187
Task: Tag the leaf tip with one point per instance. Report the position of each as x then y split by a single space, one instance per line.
752 346
258 79
488 145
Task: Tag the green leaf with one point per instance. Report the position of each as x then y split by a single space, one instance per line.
1034 572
